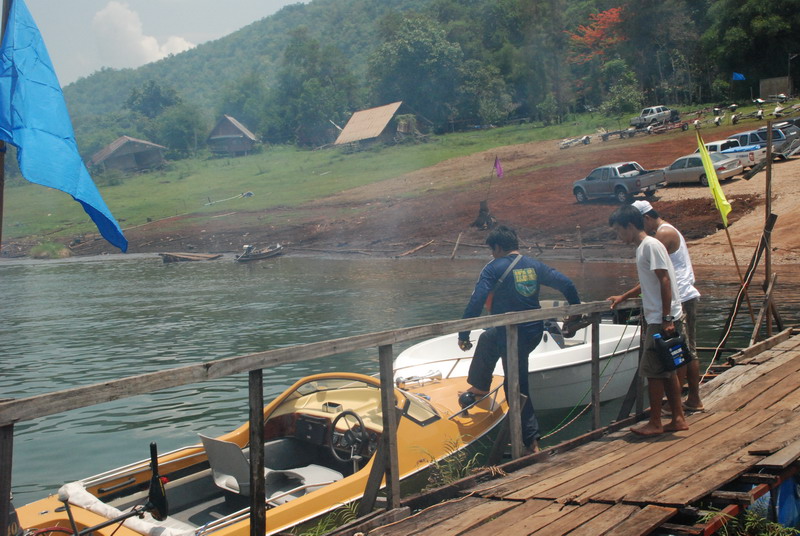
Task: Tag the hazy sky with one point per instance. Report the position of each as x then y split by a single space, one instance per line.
84 35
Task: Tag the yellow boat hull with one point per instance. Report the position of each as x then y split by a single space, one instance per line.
431 428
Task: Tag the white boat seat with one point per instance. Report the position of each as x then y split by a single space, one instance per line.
283 486
230 468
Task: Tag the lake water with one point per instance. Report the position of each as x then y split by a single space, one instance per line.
81 321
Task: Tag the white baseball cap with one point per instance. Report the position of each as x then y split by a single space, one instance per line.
643 206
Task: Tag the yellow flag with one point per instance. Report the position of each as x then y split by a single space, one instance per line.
716 190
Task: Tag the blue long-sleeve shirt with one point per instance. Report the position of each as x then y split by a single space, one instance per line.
519 291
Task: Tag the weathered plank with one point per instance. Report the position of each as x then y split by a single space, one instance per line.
522 525
573 519
783 458
500 524
711 478
554 467
781 341
592 465
607 521
432 518
639 455
644 521
779 384
672 467
476 516
753 383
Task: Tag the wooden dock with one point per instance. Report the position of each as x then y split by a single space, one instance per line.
746 442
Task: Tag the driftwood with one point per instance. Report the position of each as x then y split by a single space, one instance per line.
359 251
414 250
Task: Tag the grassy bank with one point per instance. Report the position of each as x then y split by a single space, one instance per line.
280 176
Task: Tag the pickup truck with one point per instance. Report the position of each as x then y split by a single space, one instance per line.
653 115
621 181
749 156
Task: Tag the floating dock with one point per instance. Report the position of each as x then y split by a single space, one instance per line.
745 443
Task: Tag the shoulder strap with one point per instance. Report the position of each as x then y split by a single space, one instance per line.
508 271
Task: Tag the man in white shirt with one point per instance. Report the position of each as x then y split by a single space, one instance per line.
662 311
673 240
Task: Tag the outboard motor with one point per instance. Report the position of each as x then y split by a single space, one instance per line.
14 529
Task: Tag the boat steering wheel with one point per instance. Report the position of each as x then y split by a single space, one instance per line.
353 439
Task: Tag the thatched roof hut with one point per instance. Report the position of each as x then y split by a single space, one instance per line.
231 137
129 154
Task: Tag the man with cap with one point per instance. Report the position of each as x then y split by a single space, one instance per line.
684 273
661 308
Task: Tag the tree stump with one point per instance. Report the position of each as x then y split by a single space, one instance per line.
485 220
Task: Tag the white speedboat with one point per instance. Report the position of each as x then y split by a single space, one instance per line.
560 370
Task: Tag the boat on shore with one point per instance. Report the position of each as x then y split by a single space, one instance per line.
188 257
559 368
320 439
252 254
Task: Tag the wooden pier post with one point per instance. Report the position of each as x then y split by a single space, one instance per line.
6 448
596 371
388 404
512 375
258 499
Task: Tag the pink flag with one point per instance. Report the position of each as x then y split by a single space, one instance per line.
498 168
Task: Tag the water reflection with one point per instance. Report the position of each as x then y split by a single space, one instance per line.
71 323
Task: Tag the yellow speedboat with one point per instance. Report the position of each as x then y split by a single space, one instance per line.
319 439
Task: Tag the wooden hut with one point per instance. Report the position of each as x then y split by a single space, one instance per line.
373 123
129 154
231 137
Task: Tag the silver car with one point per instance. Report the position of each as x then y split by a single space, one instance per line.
690 168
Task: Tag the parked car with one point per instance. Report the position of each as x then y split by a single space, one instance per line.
621 181
749 156
690 168
652 115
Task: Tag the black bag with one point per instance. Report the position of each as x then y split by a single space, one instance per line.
673 351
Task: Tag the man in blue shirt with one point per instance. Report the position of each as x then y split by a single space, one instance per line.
513 281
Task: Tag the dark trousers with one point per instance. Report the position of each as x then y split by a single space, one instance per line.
491 346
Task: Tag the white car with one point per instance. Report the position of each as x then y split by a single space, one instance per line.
690 168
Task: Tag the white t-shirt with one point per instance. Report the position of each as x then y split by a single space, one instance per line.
651 255
682 263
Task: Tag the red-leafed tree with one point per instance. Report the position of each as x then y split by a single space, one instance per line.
595 39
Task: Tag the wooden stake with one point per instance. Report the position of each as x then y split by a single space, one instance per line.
741 279
453 255
580 243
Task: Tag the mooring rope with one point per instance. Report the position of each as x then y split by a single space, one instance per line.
562 425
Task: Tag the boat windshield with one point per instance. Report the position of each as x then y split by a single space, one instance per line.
330 384
419 409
